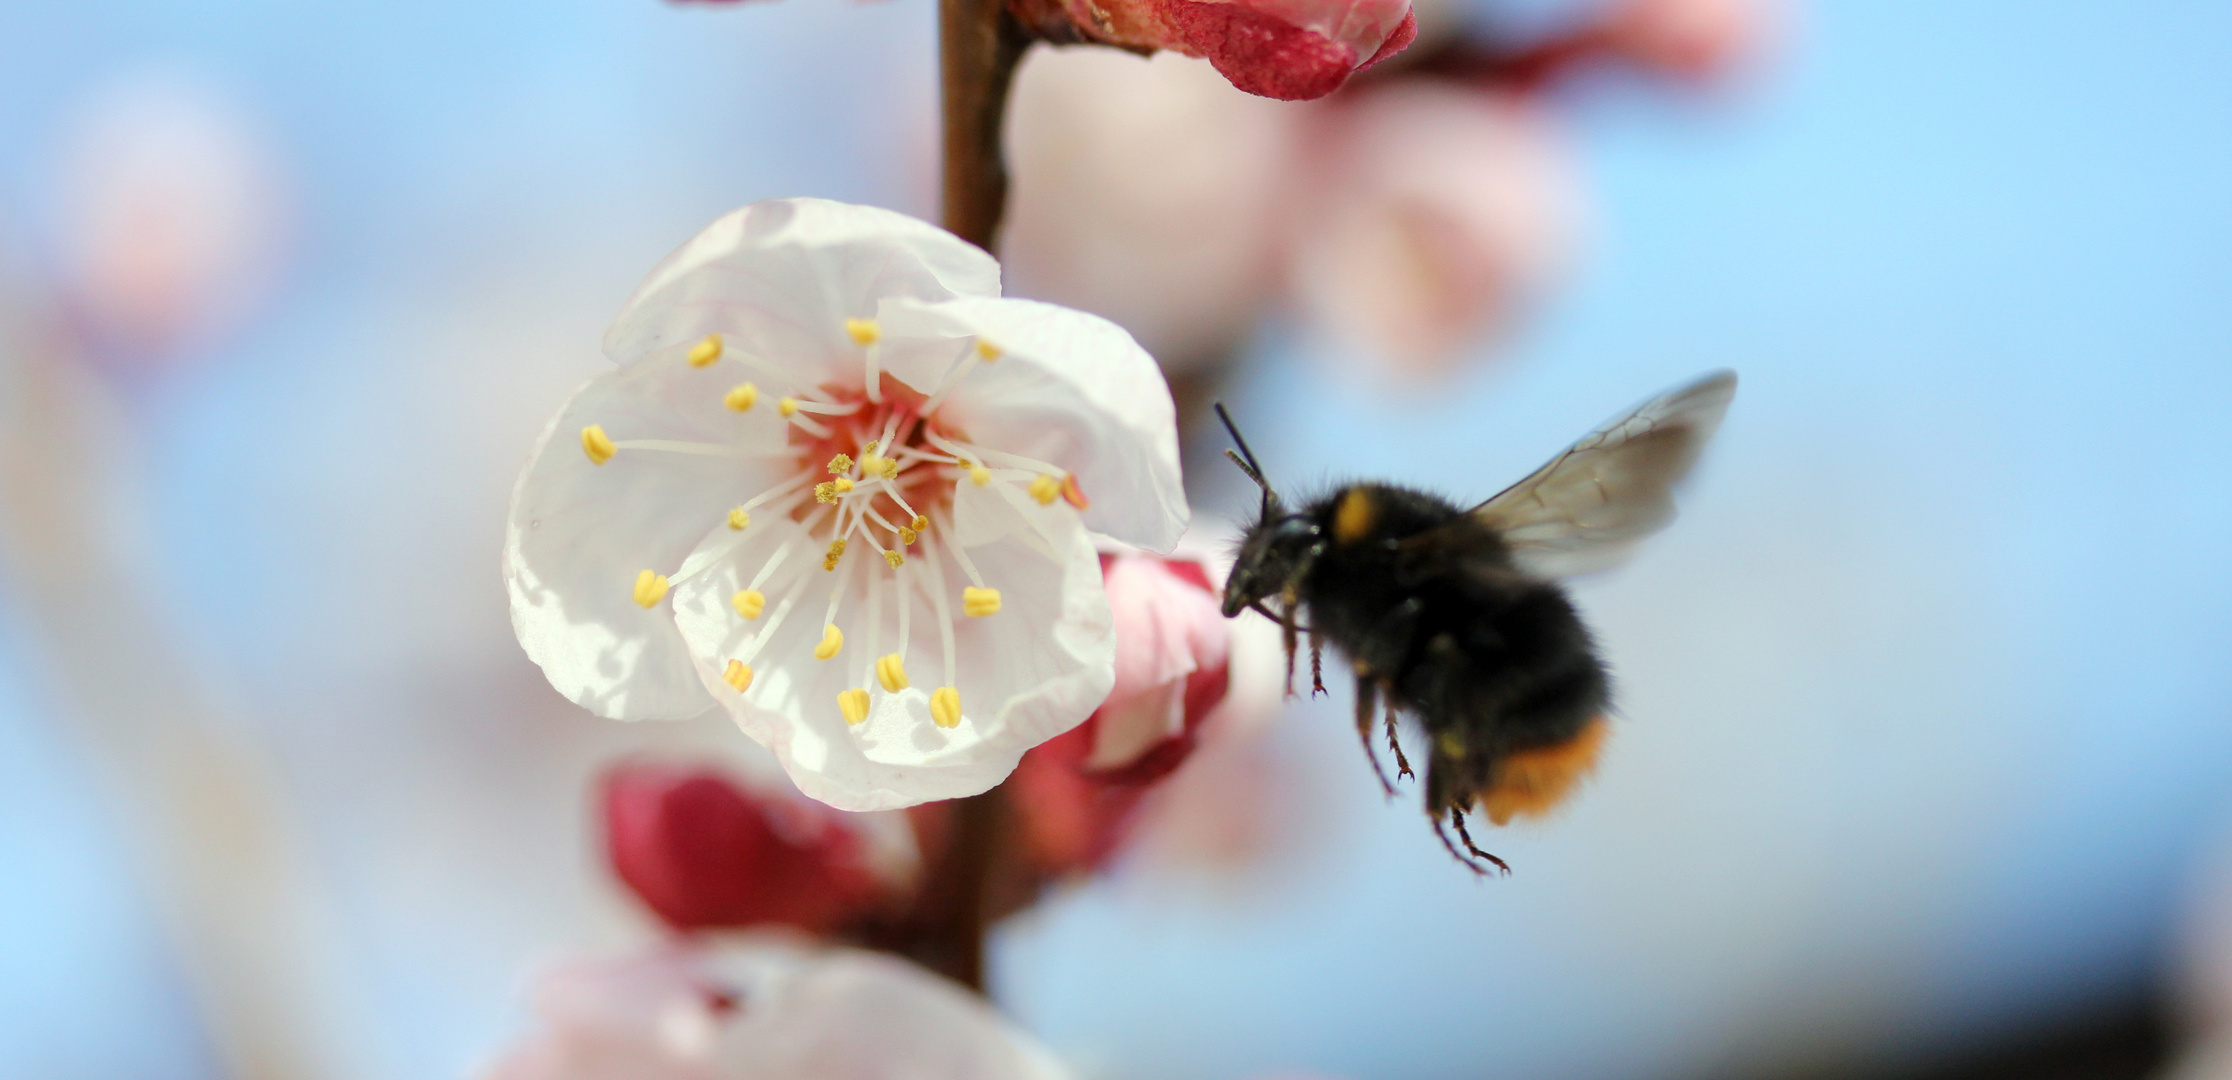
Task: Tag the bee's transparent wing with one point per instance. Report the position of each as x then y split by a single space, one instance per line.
1588 507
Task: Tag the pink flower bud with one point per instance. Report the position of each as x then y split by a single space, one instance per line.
703 852
1078 791
1289 49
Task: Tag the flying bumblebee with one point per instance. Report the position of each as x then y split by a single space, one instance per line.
1456 616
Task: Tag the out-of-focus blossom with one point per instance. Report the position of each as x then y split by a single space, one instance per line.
171 219
1121 161
704 852
763 1008
1437 214
852 464
1288 49
1688 39
1078 793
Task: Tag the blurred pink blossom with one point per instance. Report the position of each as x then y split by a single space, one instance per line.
172 217
1436 215
1690 39
763 1008
703 852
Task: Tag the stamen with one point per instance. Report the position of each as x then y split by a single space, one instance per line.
887 468
979 475
843 484
894 559
832 641
968 566
986 351
749 603
840 465
977 603
945 707
938 604
836 552
704 449
854 704
597 445
825 492
738 519
920 523
705 352
863 331
907 536
738 674
741 397
1073 494
891 671
775 621
650 588
1045 489
788 407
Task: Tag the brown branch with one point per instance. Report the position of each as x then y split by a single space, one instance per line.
979 45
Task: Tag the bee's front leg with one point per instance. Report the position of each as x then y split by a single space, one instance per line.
1367 700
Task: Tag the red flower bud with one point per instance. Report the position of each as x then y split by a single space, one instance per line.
702 852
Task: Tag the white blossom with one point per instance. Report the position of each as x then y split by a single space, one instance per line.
841 488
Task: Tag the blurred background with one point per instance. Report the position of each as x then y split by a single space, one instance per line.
1926 710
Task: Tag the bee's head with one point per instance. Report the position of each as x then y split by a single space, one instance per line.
1270 553
1273 547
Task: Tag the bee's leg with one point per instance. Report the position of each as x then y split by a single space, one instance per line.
1457 818
1317 665
1367 698
1288 600
1402 764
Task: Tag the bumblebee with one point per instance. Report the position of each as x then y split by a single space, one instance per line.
1456 616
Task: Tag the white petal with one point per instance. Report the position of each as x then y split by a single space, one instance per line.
1034 670
578 533
1070 389
779 278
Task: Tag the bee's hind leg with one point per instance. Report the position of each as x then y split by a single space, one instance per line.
1402 764
1367 701
1457 818
1317 665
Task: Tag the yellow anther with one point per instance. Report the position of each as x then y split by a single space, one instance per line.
891 674
920 523
840 465
890 469
986 351
870 448
825 492
741 397
597 444
1045 489
788 407
894 559
650 588
907 535
863 331
979 475
705 352
738 519
945 707
870 464
738 674
843 484
854 704
832 640
977 603
836 552
749 603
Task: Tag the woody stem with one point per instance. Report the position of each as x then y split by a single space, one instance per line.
979 44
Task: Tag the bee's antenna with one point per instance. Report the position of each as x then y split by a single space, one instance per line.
1246 458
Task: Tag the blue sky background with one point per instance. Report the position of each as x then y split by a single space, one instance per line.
1926 700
